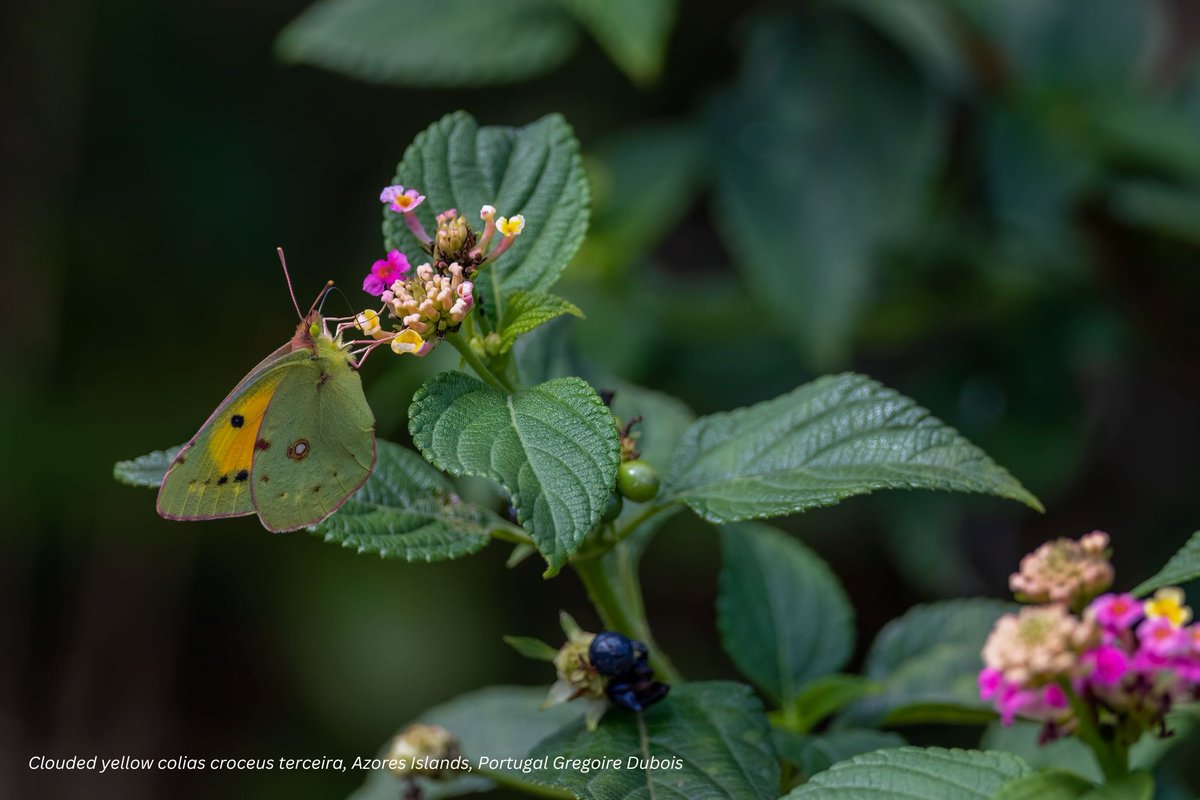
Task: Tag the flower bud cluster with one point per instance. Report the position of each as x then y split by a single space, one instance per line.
1125 662
435 298
1064 571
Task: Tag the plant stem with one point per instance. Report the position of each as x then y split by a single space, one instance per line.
1112 756
476 364
612 584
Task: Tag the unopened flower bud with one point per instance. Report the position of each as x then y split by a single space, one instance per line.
1065 571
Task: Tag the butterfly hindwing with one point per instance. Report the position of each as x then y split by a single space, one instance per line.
210 476
316 443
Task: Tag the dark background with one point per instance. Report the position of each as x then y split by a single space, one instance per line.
156 153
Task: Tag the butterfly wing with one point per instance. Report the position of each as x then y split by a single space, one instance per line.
317 443
210 476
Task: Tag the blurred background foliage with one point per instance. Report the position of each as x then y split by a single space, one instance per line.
991 205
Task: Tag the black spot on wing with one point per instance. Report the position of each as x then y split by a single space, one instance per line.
237 420
241 476
221 481
262 444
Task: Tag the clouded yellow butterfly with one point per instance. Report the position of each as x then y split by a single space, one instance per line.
292 441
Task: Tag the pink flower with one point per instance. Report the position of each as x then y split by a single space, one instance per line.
1109 664
385 272
1116 611
401 200
1191 637
990 681
1054 697
1160 638
1014 701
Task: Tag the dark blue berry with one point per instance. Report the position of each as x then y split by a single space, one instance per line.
612 654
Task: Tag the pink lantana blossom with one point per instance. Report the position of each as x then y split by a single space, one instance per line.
385 272
401 200
1109 664
1159 637
991 680
1116 612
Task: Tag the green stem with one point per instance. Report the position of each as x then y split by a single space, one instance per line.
1112 756
476 363
612 584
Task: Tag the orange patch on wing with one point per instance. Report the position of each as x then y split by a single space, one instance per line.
231 447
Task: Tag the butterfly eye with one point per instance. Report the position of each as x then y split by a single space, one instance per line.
298 449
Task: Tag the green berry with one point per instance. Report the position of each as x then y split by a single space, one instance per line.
638 481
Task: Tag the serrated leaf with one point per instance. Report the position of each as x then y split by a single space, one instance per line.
783 616
633 32
1184 566
408 510
927 665
824 154
839 436
931 773
430 42
553 447
1045 785
815 753
823 696
535 170
531 647
524 311
148 470
496 722
718 731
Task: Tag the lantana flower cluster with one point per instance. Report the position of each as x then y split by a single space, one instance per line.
1122 661
433 299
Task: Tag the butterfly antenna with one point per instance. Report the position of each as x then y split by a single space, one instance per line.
320 301
345 299
288 278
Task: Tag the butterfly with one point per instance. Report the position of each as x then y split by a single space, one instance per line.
291 443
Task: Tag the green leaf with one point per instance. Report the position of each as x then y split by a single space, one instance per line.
1045 785
525 311
717 730
535 170
430 42
927 665
1184 566
839 436
931 773
824 154
497 722
148 470
633 32
783 616
816 753
409 510
553 447
531 647
1137 785
926 30
824 696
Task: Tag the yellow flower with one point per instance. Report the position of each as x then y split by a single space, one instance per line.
511 227
409 341
368 322
1168 604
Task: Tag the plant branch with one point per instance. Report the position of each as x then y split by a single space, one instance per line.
476 364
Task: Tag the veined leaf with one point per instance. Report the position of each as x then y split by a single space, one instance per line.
408 510
717 730
783 616
927 665
824 696
430 42
525 311
553 447
839 436
1184 566
535 171
633 32
497 722
931 773
148 470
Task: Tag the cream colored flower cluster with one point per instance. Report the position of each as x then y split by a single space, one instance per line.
1065 571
